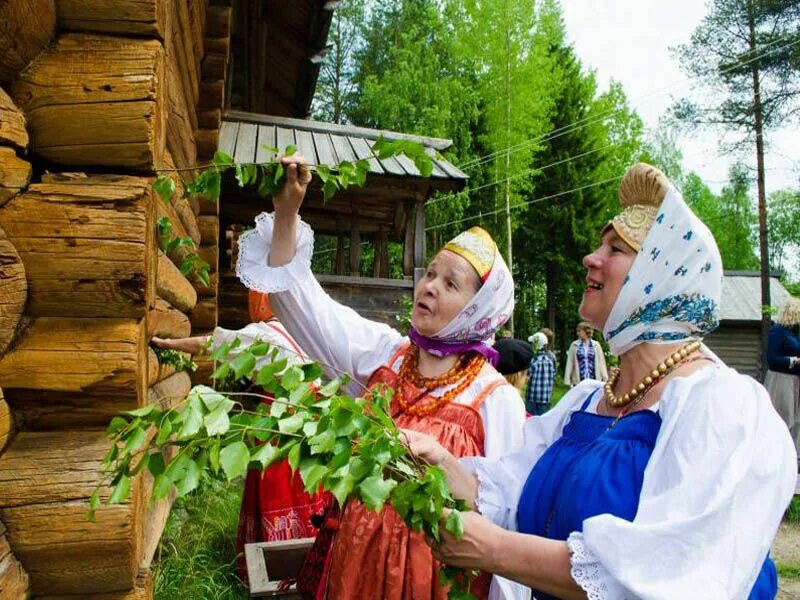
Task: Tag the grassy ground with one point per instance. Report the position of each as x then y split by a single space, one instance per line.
197 556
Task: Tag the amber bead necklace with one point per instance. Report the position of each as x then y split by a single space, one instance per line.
464 372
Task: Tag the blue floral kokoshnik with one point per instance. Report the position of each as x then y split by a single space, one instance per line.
698 310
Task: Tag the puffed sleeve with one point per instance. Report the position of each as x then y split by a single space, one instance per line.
714 491
500 480
504 418
327 331
255 332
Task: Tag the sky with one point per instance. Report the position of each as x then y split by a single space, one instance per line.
629 41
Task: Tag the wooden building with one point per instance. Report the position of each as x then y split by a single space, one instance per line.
96 98
737 341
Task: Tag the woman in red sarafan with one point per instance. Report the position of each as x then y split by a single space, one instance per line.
441 373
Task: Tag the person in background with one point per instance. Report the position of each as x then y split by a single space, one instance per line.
274 504
783 359
515 355
551 345
585 359
541 375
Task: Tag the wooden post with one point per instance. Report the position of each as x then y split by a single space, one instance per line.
381 266
419 234
408 243
355 244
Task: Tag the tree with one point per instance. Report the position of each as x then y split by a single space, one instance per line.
783 213
336 86
746 52
729 216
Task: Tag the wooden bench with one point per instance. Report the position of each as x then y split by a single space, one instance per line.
269 563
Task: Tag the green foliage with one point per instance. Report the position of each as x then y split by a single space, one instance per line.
348 446
783 235
179 360
730 216
196 558
191 262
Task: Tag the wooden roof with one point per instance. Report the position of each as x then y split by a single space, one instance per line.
244 136
741 296
272 46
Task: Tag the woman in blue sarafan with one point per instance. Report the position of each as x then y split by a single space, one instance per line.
670 480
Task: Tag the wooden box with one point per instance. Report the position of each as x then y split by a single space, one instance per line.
269 563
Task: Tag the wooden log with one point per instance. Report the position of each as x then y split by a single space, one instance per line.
209 118
180 203
212 94
218 23
13 293
182 41
88 246
171 391
6 425
209 230
96 100
155 370
165 321
142 590
197 27
14 580
203 316
210 254
207 207
215 67
206 291
26 28
205 367
207 142
127 17
102 359
46 480
15 174
173 286
12 123
220 45
182 122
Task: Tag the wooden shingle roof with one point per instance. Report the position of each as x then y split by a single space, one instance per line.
741 296
245 136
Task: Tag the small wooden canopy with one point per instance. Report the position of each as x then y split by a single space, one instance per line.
386 203
741 296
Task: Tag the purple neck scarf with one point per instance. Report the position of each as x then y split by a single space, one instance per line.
440 348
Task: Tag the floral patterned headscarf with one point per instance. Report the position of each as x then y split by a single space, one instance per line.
672 292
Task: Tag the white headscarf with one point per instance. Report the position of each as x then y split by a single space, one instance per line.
673 289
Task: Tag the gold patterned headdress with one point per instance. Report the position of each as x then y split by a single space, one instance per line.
477 247
641 193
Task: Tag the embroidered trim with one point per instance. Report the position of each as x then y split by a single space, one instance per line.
695 309
254 245
589 574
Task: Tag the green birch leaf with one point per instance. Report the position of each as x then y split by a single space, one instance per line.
190 480
329 189
323 442
137 437
312 371
279 173
164 187
310 428
94 504
292 378
210 397
141 412
291 150
301 393
342 489
117 424
454 524
156 464
192 422
265 455
243 364
312 473
330 388
121 490
293 456
374 491
291 424
213 456
267 372
221 159
278 408
234 459
221 352
221 372
217 421
259 348
161 487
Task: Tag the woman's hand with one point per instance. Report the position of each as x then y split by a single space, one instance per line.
289 198
425 446
478 547
461 482
192 345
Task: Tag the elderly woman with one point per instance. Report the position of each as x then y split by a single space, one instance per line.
669 481
442 376
783 358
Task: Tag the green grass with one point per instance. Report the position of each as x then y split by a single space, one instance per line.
196 559
788 571
559 389
792 514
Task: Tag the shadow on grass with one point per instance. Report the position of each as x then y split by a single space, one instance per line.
196 558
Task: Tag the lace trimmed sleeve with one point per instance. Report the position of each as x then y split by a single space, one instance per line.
590 575
254 245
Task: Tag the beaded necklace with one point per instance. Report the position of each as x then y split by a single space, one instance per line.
466 370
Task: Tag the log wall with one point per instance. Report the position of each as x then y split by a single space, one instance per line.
121 89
